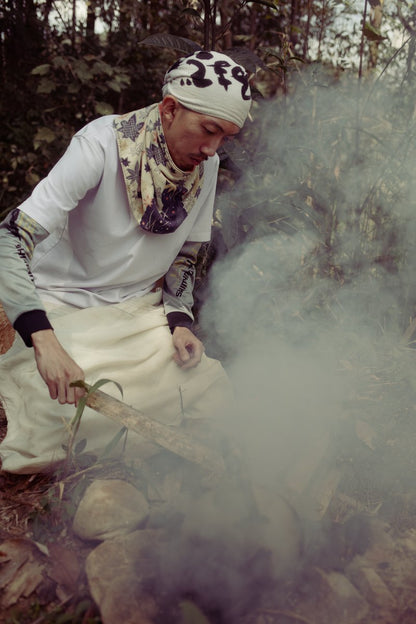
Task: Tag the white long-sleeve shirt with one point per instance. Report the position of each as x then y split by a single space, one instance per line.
87 247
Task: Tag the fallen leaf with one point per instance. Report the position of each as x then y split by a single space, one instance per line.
29 576
21 570
65 567
13 554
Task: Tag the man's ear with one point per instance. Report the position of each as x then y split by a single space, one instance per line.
168 107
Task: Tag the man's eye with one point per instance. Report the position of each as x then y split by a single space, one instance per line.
208 131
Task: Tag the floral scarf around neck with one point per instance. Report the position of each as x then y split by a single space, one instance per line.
160 194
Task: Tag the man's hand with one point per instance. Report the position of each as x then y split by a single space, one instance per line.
188 349
56 367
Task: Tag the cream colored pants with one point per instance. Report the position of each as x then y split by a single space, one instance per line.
129 343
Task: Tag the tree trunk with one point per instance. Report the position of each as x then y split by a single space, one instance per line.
294 23
21 37
376 15
90 26
227 37
307 30
74 23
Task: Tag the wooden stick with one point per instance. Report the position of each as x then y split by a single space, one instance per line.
169 438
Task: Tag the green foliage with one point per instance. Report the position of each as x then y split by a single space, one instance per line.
74 451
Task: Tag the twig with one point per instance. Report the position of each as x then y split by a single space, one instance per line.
79 473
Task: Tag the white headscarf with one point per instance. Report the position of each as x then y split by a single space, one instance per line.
210 83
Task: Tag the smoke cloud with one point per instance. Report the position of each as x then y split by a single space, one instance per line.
306 310
316 289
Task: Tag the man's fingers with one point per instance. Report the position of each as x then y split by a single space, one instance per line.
186 353
74 393
70 395
53 392
56 367
191 358
64 392
183 354
188 349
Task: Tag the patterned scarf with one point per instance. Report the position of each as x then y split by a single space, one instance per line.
160 194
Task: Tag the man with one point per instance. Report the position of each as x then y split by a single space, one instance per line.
129 203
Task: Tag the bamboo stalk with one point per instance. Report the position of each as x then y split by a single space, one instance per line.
169 438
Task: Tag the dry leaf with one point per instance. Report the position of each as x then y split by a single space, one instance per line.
65 568
21 570
29 576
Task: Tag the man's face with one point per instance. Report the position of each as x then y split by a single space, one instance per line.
192 137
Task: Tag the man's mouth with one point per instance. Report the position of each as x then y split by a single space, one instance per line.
197 160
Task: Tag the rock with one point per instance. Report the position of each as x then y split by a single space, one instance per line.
399 570
408 541
371 585
382 547
279 531
333 598
251 519
109 508
115 572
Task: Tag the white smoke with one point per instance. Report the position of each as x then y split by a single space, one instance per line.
306 311
302 305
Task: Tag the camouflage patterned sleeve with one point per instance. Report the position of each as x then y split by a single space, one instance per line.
19 234
178 287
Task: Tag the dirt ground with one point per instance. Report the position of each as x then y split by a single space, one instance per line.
357 557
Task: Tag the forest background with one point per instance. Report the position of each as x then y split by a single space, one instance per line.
325 164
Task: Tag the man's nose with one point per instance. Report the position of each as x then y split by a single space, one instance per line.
210 147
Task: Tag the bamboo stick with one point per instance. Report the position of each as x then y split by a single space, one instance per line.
173 440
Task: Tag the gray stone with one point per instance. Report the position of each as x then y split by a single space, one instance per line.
109 508
114 570
371 585
333 600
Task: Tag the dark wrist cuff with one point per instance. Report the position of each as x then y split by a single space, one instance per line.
178 319
29 322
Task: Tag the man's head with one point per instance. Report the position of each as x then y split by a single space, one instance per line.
192 137
210 83
206 100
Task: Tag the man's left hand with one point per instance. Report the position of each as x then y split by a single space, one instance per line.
188 349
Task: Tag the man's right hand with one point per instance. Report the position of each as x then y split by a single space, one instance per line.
56 367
